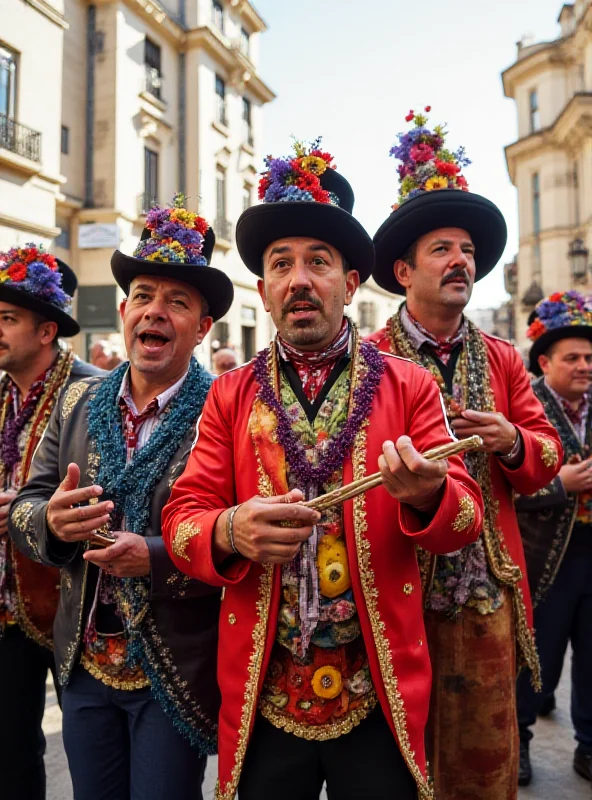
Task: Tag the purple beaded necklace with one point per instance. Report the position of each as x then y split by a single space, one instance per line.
305 473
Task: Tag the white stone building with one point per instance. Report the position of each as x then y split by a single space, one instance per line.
109 106
551 163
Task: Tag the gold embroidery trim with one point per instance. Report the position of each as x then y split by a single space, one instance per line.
73 394
109 680
466 515
526 640
549 454
259 635
383 650
318 733
183 535
22 515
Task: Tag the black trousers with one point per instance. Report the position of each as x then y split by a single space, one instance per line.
564 616
23 673
365 763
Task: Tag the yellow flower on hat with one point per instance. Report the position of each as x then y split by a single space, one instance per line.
437 182
313 164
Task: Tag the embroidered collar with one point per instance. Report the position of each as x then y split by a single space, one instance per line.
314 368
577 416
162 399
420 335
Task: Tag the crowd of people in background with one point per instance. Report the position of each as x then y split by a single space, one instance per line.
207 563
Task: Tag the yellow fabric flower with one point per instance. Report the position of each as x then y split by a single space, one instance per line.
334 577
437 182
327 683
4 276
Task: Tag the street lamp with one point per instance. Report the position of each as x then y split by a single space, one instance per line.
578 256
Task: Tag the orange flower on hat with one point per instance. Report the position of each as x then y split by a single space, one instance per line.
535 330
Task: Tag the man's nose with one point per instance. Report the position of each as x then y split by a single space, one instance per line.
156 309
299 276
458 258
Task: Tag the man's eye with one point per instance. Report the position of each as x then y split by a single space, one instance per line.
179 303
140 296
318 261
281 264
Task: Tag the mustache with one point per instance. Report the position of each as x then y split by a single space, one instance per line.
457 272
301 296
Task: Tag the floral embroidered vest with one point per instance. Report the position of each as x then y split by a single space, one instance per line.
328 691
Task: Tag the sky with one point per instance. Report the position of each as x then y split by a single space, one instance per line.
350 70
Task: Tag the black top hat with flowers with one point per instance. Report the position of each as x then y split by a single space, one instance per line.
177 244
36 280
562 315
303 195
433 194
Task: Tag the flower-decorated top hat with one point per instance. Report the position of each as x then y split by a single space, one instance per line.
303 195
177 244
433 194
33 279
562 315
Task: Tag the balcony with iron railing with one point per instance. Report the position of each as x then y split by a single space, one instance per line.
19 139
223 229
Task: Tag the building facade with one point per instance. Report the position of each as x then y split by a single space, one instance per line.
110 106
30 170
551 164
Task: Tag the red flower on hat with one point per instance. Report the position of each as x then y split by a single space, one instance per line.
421 153
535 330
201 225
446 168
462 182
556 297
17 271
410 116
428 109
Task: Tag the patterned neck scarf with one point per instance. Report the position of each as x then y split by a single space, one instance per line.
17 418
314 368
441 348
577 416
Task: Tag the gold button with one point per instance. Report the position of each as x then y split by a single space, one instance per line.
232 619
408 588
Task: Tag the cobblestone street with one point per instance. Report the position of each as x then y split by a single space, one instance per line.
552 751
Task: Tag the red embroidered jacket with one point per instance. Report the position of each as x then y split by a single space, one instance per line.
381 535
543 457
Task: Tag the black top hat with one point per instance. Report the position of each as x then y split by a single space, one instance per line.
560 316
304 196
180 245
36 280
444 208
434 194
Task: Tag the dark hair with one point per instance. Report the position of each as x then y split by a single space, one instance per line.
409 255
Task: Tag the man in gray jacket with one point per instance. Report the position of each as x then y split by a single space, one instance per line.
135 639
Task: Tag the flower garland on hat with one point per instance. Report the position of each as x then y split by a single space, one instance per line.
560 310
427 165
30 269
176 235
297 178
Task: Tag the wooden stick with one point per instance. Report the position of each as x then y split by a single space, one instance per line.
371 481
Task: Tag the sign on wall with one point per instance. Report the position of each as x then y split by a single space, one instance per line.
95 235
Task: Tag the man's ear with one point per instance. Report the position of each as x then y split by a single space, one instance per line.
402 271
263 294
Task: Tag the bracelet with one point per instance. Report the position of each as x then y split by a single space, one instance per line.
230 529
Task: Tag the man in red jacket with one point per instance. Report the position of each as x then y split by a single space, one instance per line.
323 667
432 248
